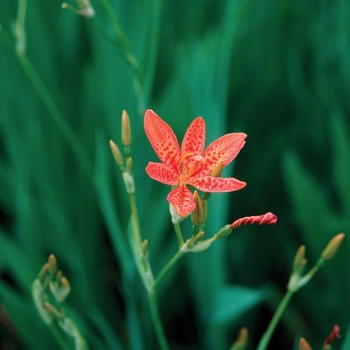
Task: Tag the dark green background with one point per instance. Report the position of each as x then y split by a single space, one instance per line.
277 70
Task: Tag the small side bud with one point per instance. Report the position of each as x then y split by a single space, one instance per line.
304 345
299 261
242 340
116 153
126 129
44 272
217 171
52 264
334 334
144 248
332 246
200 213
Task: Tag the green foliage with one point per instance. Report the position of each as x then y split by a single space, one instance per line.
277 70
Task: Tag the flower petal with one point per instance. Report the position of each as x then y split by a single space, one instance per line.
162 173
224 148
194 139
193 142
216 184
162 139
182 200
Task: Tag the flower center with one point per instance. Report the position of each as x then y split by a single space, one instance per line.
186 174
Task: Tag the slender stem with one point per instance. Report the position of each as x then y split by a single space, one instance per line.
135 215
152 299
153 45
179 235
124 48
170 264
264 341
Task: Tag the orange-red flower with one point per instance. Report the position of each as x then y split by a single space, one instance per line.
190 164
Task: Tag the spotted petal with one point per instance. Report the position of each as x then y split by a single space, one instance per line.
162 139
224 149
193 142
182 200
162 173
216 184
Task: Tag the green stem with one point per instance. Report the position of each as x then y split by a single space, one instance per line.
172 262
179 235
264 341
152 300
146 275
124 48
153 46
135 215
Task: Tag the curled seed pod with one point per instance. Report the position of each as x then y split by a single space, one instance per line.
267 219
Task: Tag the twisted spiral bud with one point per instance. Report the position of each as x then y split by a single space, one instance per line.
268 219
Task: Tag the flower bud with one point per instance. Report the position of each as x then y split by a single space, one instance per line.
332 246
200 213
52 264
242 340
144 248
299 260
304 345
116 153
126 129
334 334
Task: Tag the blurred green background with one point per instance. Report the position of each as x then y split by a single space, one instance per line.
277 70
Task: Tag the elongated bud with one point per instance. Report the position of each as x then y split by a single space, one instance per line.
242 339
268 219
199 215
332 246
304 345
217 171
126 129
52 264
299 260
334 334
43 272
144 248
116 153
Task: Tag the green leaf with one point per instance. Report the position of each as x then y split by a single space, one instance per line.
231 302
